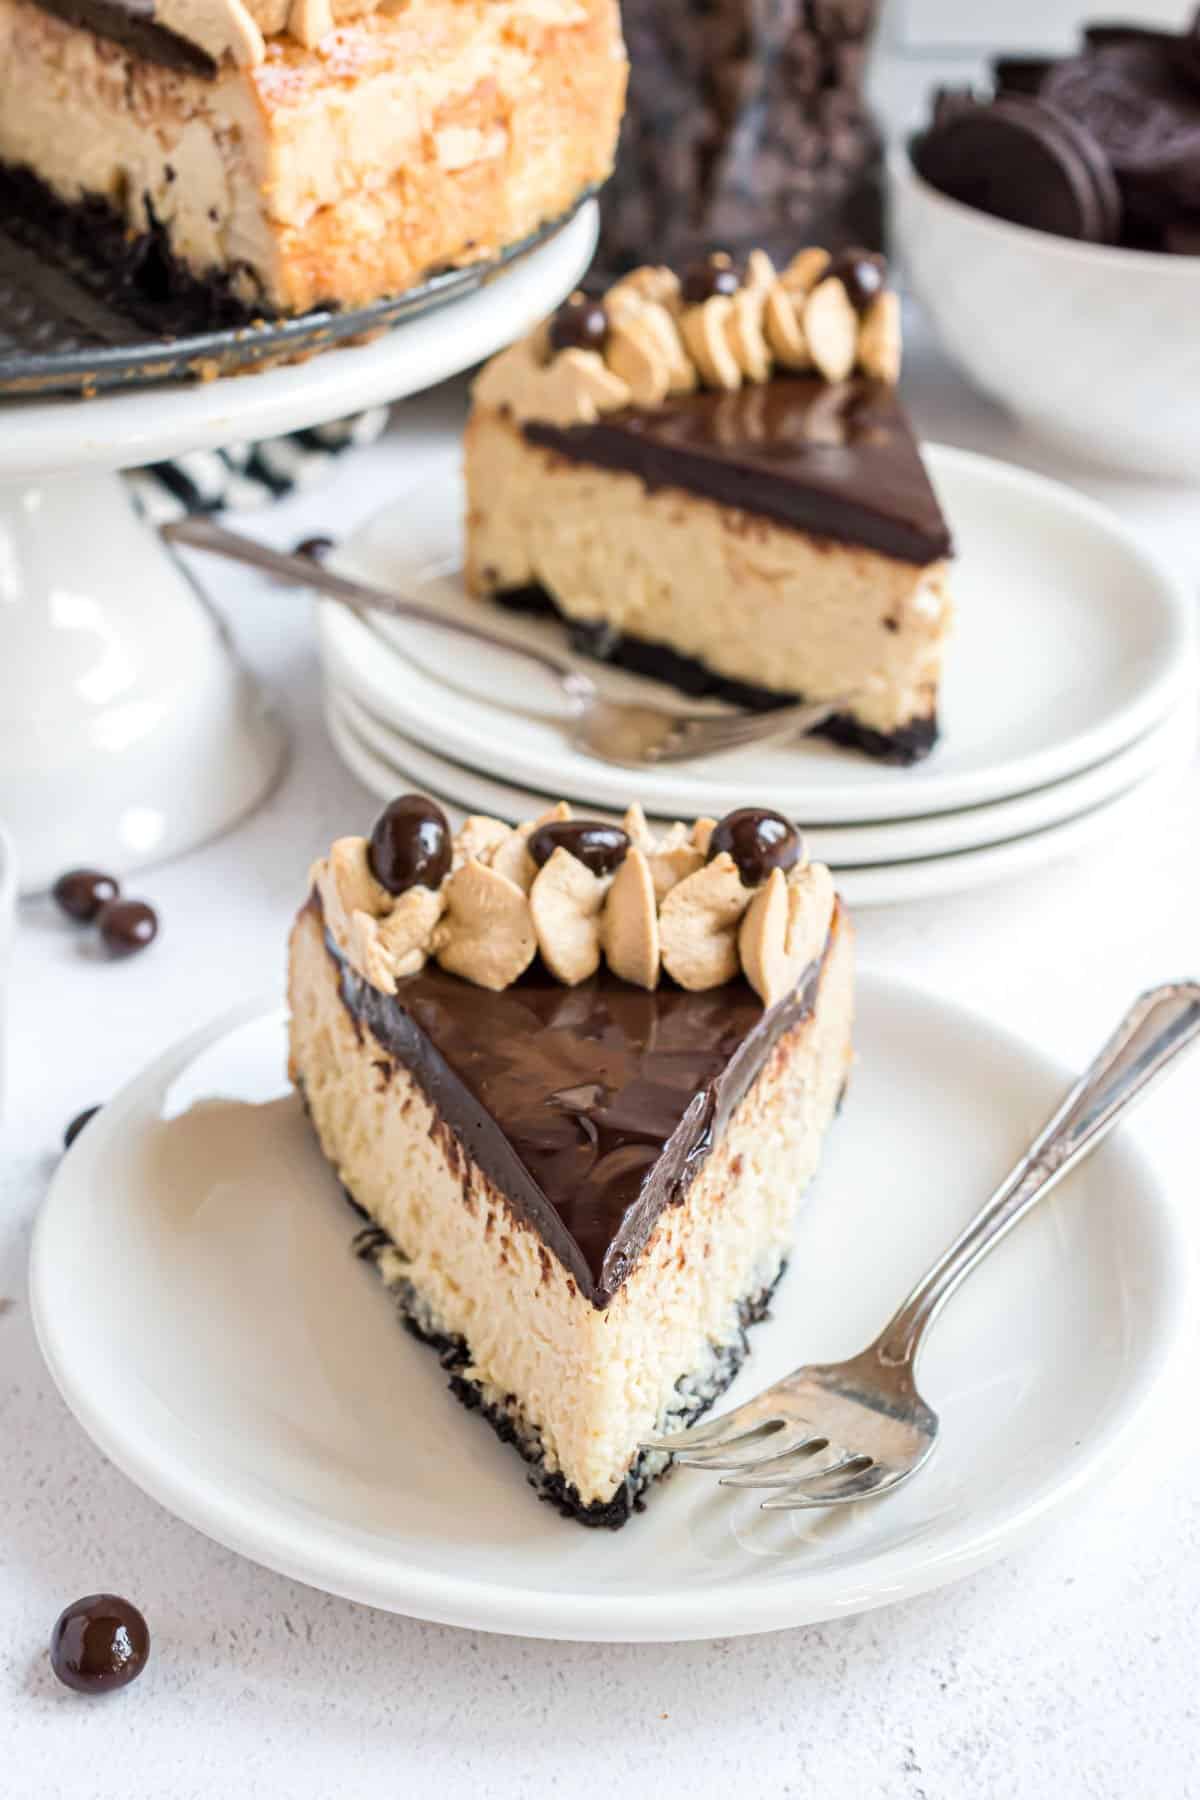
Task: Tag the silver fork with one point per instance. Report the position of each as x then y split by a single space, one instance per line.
863 1421
629 734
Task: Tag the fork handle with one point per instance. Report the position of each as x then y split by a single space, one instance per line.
305 571
1157 1028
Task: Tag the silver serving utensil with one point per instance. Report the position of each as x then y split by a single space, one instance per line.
631 735
830 1433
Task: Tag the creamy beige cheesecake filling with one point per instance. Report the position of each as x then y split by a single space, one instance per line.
754 601
403 141
590 1381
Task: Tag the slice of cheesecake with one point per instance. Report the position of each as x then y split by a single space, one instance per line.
578 1080
248 157
714 483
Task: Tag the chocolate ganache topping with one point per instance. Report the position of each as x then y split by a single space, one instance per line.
837 460
590 1108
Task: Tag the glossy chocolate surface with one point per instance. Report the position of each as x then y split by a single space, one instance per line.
758 840
127 926
83 893
838 461
599 847
715 274
130 23
99 1643
580 323
590 1108
863 274
409 845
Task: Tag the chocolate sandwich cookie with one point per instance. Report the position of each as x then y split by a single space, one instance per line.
1185 56
1021 74
1107 37
1182 237
948 101
1129 97
1022 160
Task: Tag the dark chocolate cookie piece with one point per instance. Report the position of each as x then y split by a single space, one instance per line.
1182 237
1022 160
1130 98
1185 57
1120 36
1021 74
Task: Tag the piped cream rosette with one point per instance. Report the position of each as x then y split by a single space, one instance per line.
801 319
669 907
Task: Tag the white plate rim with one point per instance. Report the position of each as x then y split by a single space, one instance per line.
649 1617
1166 743
875 884
350 643
125 429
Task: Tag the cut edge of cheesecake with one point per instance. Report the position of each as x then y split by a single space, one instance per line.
209 190
750 527
574 1379
580 1184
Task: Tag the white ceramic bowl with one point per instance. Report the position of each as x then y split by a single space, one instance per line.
1096 349
8 926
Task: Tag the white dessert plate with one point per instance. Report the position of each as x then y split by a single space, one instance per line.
1071 642
244 1369
875 884
841 846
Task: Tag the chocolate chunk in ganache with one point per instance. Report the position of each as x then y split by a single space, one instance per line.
1023 160
410 845
99 1643
712 275
580 323
83 893
863 274
758 841
127 926
599 847
77 1124
131 25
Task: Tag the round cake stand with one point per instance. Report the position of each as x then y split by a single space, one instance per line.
128 729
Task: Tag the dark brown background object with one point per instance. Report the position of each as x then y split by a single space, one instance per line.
746 126
1102 145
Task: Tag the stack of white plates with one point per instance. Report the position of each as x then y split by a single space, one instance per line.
1068 702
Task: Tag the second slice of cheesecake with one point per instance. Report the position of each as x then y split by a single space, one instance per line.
723 491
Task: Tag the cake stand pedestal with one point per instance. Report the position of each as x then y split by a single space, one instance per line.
129 731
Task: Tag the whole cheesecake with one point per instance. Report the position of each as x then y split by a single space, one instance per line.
577 1079
270 156
713 481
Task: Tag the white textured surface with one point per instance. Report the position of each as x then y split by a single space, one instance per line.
1067 1671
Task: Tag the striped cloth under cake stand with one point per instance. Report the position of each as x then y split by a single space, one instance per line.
250 475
